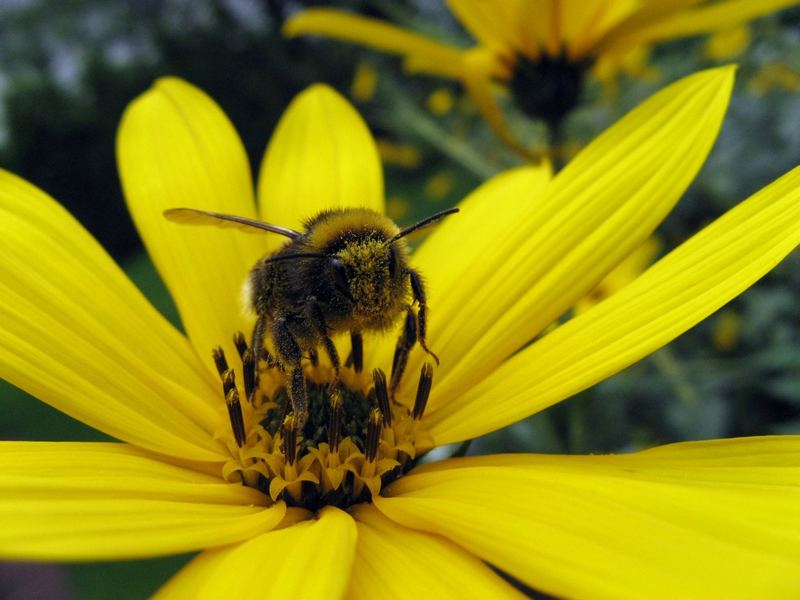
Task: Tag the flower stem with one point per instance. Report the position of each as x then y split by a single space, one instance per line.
406 115
672 370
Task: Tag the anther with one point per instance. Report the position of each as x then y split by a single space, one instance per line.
335 421
382 396
228 382
235 415
249 373
373 435
289 439
423 390
240 342
219 360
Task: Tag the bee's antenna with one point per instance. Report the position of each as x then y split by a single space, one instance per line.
292 256
421 224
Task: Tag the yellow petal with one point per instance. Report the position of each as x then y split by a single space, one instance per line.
321 156
496 25
679 291
96 501
605 203
422 54
624 273
701 19
176 148
727 44
308 560
584 22
709 520
77 334
396 562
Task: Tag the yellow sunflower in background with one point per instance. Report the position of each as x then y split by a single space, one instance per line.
540 50
325 514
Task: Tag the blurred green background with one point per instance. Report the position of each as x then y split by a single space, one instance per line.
68 69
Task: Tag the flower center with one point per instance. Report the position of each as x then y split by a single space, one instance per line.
350 445
548 88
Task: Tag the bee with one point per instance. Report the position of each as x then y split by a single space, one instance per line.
347 271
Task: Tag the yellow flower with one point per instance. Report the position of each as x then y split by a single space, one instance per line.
364 83
703 519
727 44
539 49
773 76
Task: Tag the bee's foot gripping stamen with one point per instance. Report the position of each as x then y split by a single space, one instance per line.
382 396
423 390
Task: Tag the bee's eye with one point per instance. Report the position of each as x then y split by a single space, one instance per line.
340 275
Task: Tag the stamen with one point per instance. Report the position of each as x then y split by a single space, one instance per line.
423 390
249 374
219 360
373 435
382 395
228 382
289 439
371 441
235 415
335 421
240 342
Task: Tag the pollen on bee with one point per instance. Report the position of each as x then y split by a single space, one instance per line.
352 443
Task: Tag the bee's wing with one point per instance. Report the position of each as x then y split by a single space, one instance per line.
194 216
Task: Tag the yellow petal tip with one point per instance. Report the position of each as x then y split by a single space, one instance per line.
303 22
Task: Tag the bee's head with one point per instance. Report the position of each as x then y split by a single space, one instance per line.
369 271
365 263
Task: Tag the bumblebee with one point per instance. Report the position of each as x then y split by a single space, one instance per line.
347 271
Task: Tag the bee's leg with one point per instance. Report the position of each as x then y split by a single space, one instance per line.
313 357
289 353
418 292
317 320
257 346
403 348
297 390
356 358
330 347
